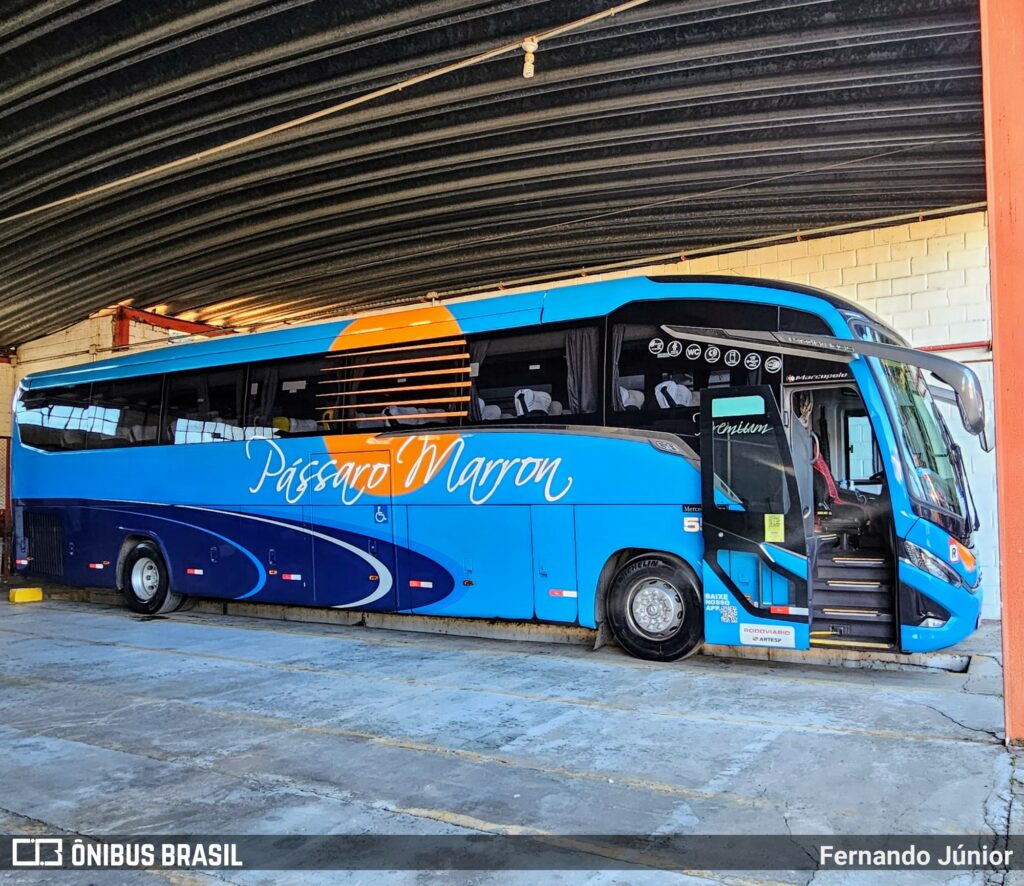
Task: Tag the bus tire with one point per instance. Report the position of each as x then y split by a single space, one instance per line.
654 609
146 582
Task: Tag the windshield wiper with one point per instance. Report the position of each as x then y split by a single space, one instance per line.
972 517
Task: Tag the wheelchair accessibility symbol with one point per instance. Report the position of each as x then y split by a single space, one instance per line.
380 515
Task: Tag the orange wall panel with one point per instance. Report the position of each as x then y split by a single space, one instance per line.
1002 49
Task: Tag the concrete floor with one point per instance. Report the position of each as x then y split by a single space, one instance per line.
202 723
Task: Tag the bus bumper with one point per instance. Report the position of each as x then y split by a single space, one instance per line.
963 605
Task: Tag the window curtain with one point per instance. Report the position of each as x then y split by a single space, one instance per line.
477 355
355 368
582 358
618 334
267 394
239 397
202 398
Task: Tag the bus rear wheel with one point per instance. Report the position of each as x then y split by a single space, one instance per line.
654 609
146 583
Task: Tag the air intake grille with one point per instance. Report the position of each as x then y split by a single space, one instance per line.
45 533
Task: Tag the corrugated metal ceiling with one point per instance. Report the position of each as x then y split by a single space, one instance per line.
671 126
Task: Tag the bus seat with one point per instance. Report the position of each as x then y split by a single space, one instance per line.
632 401
142 433
491 412
671 394
531 402
73 439
295 425
402 415
556 408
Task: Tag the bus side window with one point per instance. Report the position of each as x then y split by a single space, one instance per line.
537 376
124 412
54 418
282 398
204 407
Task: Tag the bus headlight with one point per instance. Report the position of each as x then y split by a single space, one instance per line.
922 559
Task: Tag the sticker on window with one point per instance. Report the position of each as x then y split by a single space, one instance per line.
774 528
292 386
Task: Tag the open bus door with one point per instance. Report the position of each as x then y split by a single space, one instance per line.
755 525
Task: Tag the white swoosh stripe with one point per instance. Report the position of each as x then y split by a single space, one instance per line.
385 582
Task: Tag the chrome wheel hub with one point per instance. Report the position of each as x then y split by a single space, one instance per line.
145 578
655 608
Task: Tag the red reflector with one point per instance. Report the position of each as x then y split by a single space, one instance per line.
374 578
21 562
416 583
291 576
95 565
194 571
555 592
779 610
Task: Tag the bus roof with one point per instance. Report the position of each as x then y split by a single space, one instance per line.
465 316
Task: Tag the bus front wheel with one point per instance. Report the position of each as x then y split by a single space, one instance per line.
654 609
146 582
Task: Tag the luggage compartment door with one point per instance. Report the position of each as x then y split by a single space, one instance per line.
554 562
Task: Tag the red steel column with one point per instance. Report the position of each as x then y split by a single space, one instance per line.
1002 58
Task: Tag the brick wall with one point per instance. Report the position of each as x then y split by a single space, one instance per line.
929 279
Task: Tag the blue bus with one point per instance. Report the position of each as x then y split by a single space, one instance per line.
676 460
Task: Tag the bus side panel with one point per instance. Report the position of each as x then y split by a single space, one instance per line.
727 623
486 550
554 562
218 552
604 530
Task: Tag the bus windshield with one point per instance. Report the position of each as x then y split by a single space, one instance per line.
931 473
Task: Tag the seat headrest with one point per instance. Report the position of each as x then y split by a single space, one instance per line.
491 412
556 408
671 394
531 402
632 401
396 411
